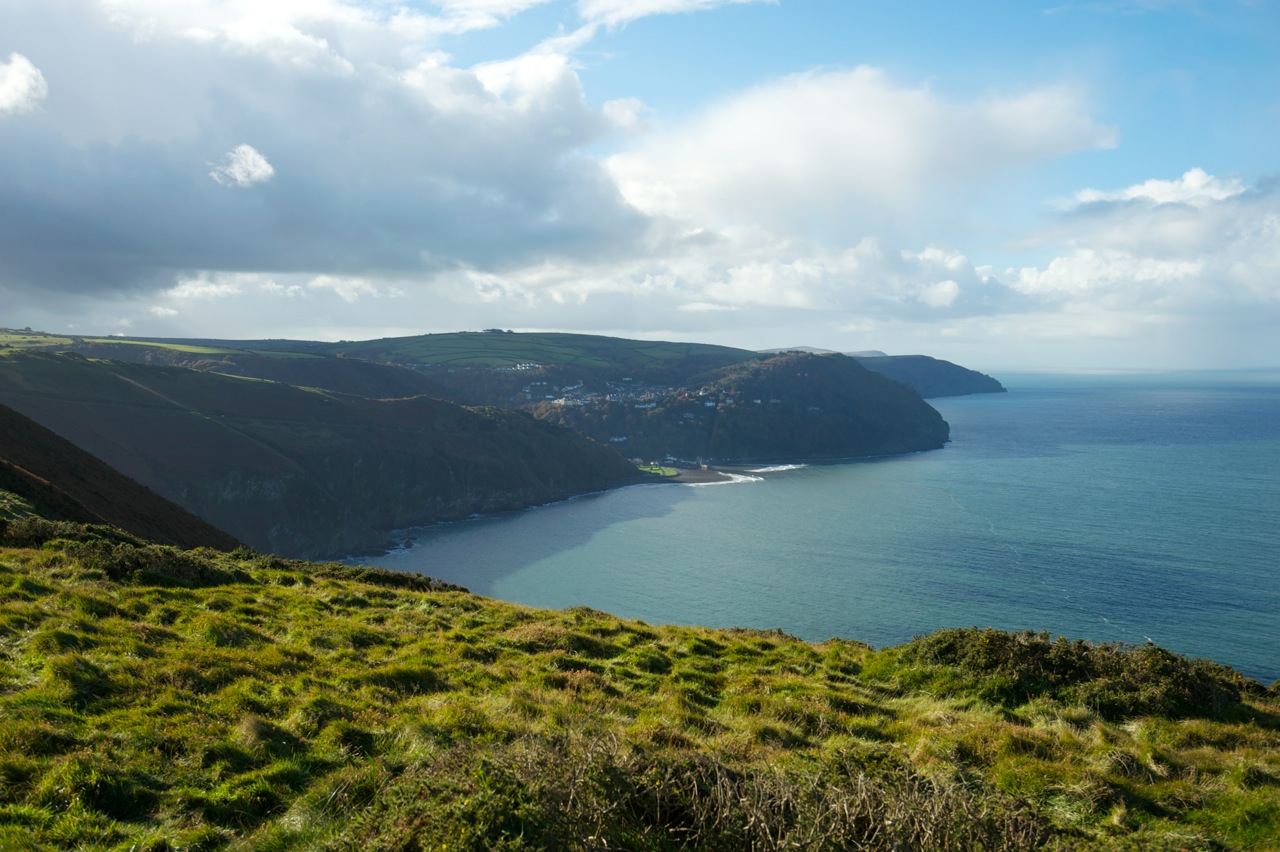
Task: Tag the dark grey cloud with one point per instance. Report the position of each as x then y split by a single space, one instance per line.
376 171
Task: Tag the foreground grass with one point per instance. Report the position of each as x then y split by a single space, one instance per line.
154 699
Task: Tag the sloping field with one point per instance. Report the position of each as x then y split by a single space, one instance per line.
152 698
465 349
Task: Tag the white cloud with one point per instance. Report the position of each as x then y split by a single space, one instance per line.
348 289
846 152
291 291
213 287
333 36
1195 247
243 167
616 12
625 114
163 312
940 295
22 86
1195 187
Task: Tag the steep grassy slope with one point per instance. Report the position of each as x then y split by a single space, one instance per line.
296 471
159 699
795 405
59 480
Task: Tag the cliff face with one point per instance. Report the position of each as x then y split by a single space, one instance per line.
794 405
932 377
302 472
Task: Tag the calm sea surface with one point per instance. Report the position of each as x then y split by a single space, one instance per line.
1113 508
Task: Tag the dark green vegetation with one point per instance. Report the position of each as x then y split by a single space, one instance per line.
153 698
931 377
299 471
787 406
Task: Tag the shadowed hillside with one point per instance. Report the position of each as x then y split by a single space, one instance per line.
62 482
302 472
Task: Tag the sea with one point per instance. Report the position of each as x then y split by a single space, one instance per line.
1113 507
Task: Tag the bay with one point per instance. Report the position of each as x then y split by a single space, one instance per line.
1125 508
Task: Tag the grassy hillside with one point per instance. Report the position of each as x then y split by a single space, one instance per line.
297 471
458 349
152 698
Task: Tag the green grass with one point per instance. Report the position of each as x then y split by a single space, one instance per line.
40 340
658 469
13 507
158 699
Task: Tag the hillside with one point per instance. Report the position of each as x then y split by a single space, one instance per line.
789 406
330 372
932 377
582 351
152 698
56 479
296 471
480 368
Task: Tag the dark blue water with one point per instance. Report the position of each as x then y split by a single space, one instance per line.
1118 508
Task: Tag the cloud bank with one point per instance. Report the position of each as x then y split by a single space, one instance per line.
390 189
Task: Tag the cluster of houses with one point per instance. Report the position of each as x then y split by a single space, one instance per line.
630 391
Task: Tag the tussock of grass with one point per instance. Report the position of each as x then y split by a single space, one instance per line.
157 699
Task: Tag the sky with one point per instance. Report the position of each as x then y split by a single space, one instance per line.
1009 185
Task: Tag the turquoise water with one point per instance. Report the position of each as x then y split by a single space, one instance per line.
1118 508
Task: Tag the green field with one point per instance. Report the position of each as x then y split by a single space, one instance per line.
659 470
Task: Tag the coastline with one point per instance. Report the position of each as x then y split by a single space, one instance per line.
699 476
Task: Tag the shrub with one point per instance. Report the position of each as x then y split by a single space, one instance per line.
1115 680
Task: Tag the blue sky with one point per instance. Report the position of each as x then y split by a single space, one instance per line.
1011 185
